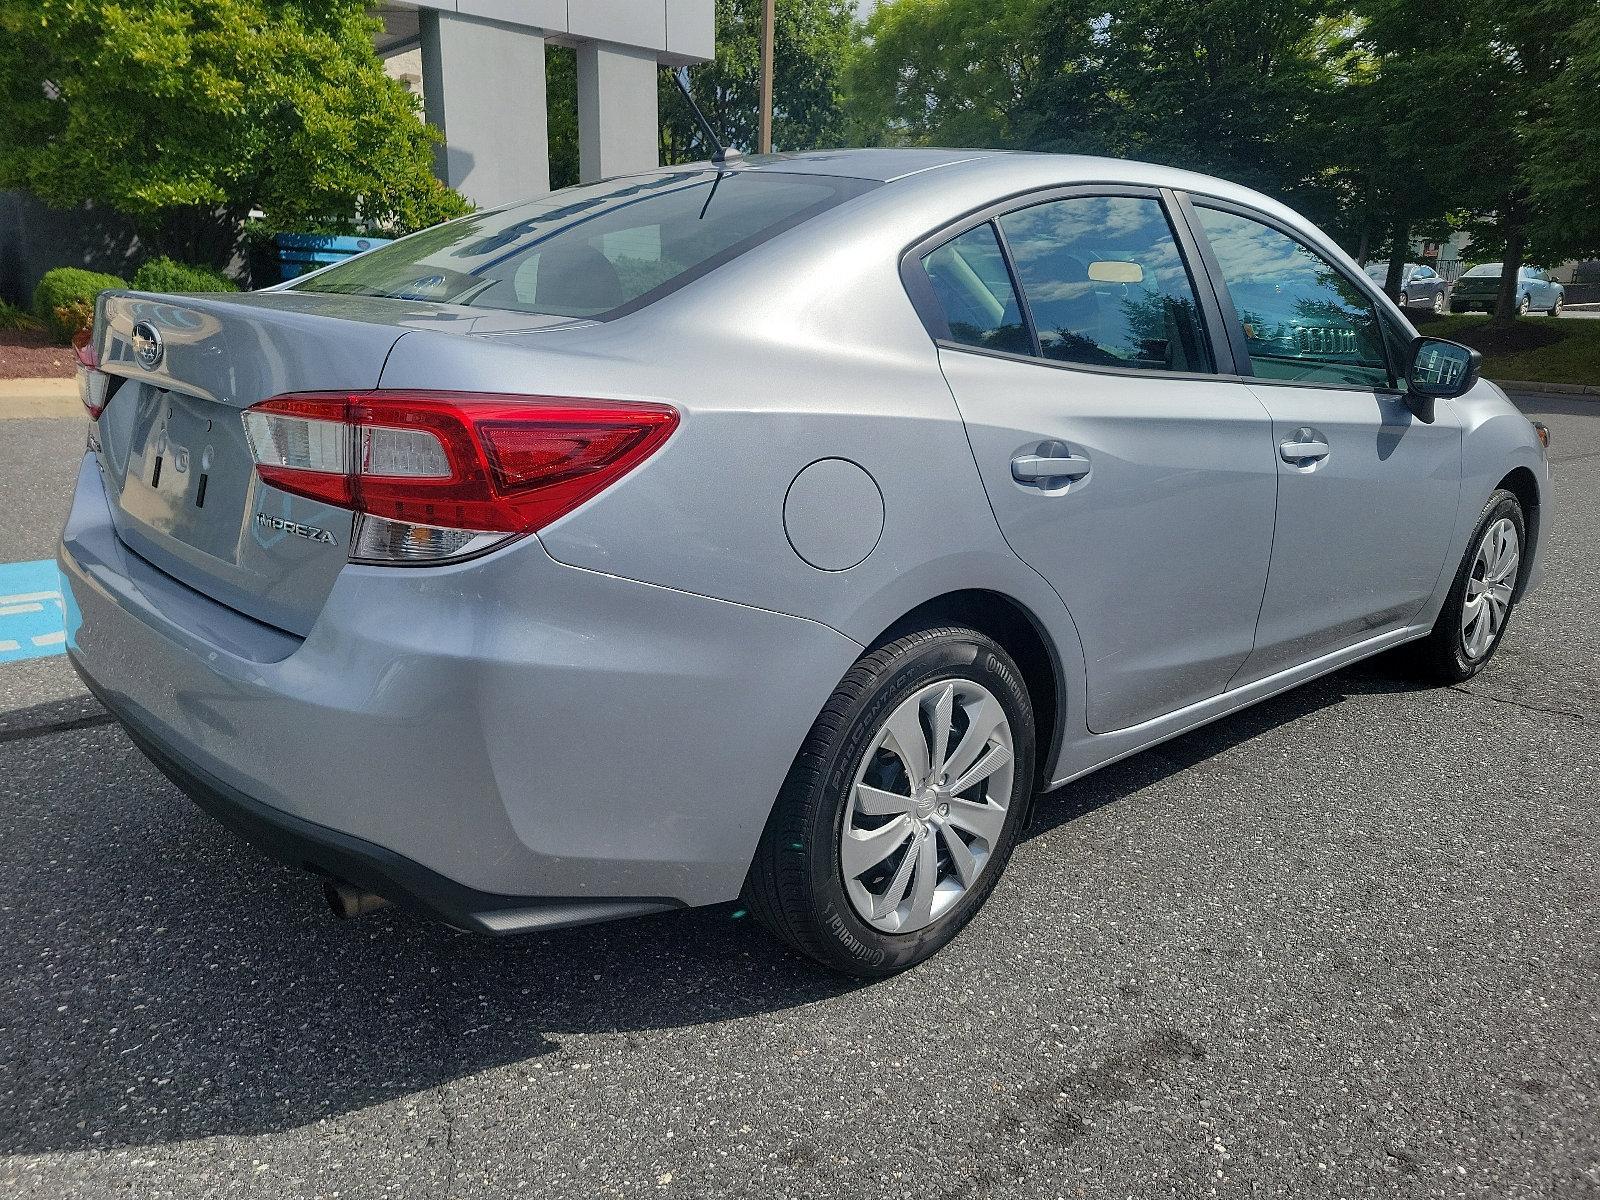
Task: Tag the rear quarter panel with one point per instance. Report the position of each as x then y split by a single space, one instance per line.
807 350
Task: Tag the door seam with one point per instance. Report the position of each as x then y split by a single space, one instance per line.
1272 542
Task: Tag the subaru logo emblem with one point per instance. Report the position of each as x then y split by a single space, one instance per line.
147 347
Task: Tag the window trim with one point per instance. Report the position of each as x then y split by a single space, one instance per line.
1383 308
1024 305
920 289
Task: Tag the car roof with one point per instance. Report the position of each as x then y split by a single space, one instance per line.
928 168
883 165
936 170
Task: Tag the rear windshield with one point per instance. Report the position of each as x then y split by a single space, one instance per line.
600 250
1487 271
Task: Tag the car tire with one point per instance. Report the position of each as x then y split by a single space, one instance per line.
1523 305
1448 654
1438 304
1404 300
1555 309
797 885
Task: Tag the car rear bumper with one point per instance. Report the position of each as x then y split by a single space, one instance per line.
511 743
337 855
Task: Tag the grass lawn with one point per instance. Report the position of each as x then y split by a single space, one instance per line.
1538 349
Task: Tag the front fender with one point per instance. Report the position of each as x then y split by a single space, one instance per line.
1497 440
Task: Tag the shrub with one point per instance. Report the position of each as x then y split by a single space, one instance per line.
65 295
169 275
73 318
15 320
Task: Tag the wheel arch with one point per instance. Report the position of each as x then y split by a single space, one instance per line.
1023 637
1522 484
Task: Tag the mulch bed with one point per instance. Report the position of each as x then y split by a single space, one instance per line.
29 354
1510 337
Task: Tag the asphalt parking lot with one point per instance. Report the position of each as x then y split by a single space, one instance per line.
1343 944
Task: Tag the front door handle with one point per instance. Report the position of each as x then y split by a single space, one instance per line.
1305 447
1030 468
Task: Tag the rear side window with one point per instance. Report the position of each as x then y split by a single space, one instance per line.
596 251
1106 284
972 284
1303 320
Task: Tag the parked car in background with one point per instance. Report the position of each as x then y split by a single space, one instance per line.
1420 285
772 530
1479 288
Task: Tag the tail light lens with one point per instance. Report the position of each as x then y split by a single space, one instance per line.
440 475
93 383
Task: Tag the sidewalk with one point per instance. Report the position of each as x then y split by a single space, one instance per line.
1563 389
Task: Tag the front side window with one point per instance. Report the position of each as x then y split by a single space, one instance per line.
1303 319
1106 284
973 287
590 251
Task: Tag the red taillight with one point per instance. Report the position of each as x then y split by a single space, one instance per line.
93 383
451 461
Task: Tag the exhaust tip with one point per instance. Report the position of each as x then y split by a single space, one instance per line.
348 901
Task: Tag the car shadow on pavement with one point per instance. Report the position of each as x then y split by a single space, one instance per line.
168 983
1375 676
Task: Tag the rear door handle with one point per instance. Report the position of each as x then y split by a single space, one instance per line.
1030 468
1306 446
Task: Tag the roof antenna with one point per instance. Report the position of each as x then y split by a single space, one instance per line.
725 156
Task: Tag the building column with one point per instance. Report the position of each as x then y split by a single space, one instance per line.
483 89
619 129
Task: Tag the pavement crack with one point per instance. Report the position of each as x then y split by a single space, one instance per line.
1523 704
452 1164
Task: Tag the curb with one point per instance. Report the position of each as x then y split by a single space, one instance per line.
1561 389
34 398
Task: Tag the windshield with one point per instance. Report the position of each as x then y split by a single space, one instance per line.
1487 271
594 251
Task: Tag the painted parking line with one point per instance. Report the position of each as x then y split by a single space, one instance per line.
32 617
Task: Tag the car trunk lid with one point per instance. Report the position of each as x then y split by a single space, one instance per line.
177 465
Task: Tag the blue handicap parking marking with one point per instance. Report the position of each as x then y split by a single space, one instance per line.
32 617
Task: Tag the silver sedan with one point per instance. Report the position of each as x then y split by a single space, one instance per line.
772 529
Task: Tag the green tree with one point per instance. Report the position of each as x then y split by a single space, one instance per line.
1231 87
956 72
1227 87
1408 72
185 116
561 102
813 41
1564 147
1537 193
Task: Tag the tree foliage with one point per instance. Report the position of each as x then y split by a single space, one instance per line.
561 102
813 41
950 72
1383 119
1564 145
1228 86
185 116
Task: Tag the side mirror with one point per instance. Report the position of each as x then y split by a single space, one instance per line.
1439 370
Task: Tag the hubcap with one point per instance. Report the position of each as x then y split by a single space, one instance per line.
1494 575
928 805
